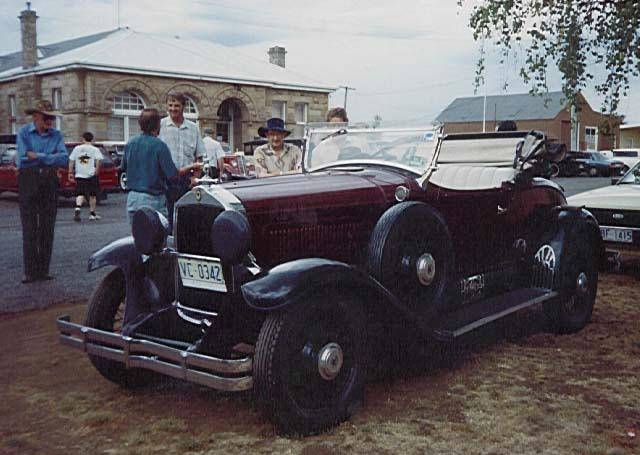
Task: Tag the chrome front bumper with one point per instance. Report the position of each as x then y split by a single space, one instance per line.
177 363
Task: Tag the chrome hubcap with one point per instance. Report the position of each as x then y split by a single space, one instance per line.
582 284
426 269
330 361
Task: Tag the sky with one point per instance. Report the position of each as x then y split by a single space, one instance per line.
406 60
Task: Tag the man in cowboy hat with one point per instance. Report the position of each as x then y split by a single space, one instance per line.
41 151
276 157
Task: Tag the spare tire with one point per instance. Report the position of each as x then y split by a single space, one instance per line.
411 254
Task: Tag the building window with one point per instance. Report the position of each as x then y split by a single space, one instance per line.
126 110
191 110
591 137
56 96
12 114
279 109
301 118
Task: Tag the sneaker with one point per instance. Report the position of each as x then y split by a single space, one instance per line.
76 215
95 216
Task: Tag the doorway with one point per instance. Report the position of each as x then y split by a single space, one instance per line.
229 124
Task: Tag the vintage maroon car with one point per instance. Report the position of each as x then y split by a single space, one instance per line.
108 175
285 285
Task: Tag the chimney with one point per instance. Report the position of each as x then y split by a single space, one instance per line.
29 42
276 55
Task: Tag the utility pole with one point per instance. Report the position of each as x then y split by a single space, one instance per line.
346 90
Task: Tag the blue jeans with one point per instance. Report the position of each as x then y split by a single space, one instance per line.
136 200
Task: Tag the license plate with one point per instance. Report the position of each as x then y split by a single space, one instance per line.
201 273
616 234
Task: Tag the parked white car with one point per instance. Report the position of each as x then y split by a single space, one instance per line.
617 209
628 156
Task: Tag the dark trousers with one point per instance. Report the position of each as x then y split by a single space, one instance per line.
174 192
37 196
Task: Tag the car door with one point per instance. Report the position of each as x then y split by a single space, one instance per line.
8 171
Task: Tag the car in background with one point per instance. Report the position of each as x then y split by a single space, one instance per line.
629 157
617 209
593 164
108 176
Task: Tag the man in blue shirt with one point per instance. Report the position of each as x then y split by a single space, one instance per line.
149 166
41 151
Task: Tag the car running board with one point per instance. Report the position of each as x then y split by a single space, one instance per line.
470 317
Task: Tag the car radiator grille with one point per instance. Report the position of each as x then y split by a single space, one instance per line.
193 230
193 236
626 218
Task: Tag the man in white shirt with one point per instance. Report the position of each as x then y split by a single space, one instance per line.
185 144
213 148
84 165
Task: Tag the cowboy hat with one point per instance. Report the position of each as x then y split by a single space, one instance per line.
44 107
273 124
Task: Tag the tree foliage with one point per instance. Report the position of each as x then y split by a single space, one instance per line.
581 37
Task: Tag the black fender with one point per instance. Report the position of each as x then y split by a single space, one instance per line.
573 228
120 253
149 280
292 283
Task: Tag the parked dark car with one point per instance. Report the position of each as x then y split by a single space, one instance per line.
288 285
593 164
108 175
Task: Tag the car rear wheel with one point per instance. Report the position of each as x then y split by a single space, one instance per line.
123 181
554 170
310 365
593 172
572 311
411 254
105 311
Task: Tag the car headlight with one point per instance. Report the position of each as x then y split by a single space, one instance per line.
150 230
231 236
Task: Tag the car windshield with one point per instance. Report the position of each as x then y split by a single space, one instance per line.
632 176
411 149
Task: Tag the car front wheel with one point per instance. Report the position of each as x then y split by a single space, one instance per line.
105 311
310 365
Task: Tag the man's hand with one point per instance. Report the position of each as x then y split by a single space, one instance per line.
71 177
32 155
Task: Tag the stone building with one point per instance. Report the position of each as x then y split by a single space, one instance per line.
548 113
101 83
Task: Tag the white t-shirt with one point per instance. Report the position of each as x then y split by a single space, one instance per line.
85 157
214 150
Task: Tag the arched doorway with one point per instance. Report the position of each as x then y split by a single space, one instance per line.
229 123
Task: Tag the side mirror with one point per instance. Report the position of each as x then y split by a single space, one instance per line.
615 180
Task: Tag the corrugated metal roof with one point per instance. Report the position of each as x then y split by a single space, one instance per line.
522 106
128 51
14 60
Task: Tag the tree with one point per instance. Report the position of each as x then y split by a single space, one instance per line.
579 36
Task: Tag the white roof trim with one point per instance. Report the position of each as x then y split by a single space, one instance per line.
630 126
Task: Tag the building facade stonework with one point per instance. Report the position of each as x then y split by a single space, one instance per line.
87 101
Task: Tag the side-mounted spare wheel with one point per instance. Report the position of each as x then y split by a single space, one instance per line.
310 364
105 311
411 254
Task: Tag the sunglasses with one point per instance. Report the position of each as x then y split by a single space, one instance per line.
49 118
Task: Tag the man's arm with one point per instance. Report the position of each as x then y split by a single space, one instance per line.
200 150
72 165
98 160
24 153
59 156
